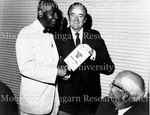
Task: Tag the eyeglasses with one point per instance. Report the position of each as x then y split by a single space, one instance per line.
112 84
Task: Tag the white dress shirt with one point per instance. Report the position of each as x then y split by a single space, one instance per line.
80 35
122 111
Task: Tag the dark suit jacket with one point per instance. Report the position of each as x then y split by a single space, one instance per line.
8 106
107 108
85 81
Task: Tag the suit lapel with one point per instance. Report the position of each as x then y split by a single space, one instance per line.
68 45
71 41
87 38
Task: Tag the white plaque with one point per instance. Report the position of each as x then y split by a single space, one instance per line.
77 57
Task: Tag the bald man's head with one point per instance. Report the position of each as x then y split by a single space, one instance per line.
132 83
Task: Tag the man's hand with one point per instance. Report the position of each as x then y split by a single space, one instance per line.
62 72
88 48
66 77
91 51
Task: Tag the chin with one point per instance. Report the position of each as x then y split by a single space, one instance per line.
51 26
76 28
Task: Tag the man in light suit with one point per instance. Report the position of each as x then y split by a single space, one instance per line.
84 83
37 59
125 96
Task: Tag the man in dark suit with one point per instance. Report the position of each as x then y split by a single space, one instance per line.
79 93
125 96
8 105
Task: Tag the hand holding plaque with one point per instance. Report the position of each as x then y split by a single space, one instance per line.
78 56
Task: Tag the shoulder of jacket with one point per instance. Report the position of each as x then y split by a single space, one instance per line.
95 31
27 29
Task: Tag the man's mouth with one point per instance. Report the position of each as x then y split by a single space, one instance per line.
53 22
76 23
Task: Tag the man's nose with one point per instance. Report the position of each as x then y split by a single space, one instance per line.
76 18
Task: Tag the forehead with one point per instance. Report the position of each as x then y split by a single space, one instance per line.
125 82
77 10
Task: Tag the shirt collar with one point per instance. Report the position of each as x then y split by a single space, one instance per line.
122 111
80 34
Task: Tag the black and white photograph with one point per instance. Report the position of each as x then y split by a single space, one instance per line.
74 57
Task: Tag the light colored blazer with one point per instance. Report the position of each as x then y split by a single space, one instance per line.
37 59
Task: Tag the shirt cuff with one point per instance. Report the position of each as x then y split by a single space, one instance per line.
93 56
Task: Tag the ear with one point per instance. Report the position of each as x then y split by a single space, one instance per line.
125 96
40 13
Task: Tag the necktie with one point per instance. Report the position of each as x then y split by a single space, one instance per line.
115 112
77 39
